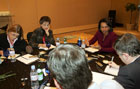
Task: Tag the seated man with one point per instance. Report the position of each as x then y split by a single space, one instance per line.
128 49
70 70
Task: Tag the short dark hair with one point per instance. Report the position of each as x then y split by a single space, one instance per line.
107 22
45 19
17 29
68 65
128 43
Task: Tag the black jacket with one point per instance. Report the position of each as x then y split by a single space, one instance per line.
19 45
37 37
129 75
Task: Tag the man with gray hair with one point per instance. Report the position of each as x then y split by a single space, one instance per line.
128 49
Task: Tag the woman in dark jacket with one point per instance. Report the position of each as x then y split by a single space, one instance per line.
43 35
13 39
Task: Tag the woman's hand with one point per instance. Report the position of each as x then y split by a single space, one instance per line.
1 52
97 47
42 45
47 30
86 42
29 49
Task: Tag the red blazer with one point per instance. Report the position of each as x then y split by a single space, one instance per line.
107 43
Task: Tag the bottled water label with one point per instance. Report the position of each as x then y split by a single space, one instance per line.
34 78
40 77
12 53
83 46
57 43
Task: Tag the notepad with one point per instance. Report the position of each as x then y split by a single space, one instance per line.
99 77
27 59
46 48
92 50
13 57
111 70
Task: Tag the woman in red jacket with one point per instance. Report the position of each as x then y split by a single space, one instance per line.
105 37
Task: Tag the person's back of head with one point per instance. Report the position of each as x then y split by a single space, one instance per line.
128 43
68 66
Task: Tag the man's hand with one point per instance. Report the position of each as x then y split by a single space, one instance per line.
113 64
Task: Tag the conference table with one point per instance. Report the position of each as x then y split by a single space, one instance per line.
22 71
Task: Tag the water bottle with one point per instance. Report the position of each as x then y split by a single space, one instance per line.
79 42
65 40
83 44
34 78
12 54
11 51
40 75
57 41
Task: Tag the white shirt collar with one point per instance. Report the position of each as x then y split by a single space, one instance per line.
11 45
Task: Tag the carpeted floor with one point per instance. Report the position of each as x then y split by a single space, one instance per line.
89 33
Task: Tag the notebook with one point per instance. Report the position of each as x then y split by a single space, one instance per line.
111 70
46 48
27 59
99 77
92 50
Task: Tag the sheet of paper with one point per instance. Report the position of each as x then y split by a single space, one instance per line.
92 50
15 56
46 48
27 59
99 77
111 70
91 58
50 88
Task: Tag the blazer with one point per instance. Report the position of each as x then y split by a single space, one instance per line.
19 45
129 75
105 43
37 37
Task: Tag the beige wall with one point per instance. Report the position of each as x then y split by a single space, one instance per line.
3 5
64 13
121 15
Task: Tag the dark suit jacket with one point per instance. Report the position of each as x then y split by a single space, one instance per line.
37 37
129 75
19 45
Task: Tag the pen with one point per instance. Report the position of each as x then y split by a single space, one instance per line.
112 60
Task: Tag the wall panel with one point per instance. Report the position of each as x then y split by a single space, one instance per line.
64 13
